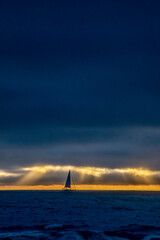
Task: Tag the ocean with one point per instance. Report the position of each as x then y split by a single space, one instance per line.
79 215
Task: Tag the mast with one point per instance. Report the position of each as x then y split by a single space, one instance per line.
68 181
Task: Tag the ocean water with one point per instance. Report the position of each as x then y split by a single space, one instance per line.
79 215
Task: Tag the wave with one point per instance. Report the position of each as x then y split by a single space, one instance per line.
78 232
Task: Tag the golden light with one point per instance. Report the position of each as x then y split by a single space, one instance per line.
47 168
8 174
94 171
84 170
97 172
136 171
86 187
31 175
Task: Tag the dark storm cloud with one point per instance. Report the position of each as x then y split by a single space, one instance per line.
85 63
79 84
103 147
47 29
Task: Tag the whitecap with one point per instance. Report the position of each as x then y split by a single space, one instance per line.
21 234
70 235
53 226
150 237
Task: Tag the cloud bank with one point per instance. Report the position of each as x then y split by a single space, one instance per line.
127 147
50 175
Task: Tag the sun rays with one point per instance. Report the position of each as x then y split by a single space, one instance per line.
51 176
95 171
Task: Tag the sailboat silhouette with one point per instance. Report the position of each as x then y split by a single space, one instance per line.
67 185
68 182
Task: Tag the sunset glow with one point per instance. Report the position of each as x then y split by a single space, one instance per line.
8 174
95 171
88 187
93 178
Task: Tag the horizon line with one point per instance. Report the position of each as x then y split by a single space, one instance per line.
85 187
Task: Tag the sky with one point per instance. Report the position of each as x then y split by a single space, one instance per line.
79 90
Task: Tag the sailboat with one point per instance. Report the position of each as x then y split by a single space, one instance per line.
68 182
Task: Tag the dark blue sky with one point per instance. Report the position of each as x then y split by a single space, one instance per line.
80 67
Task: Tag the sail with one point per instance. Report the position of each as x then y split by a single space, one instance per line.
68 181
